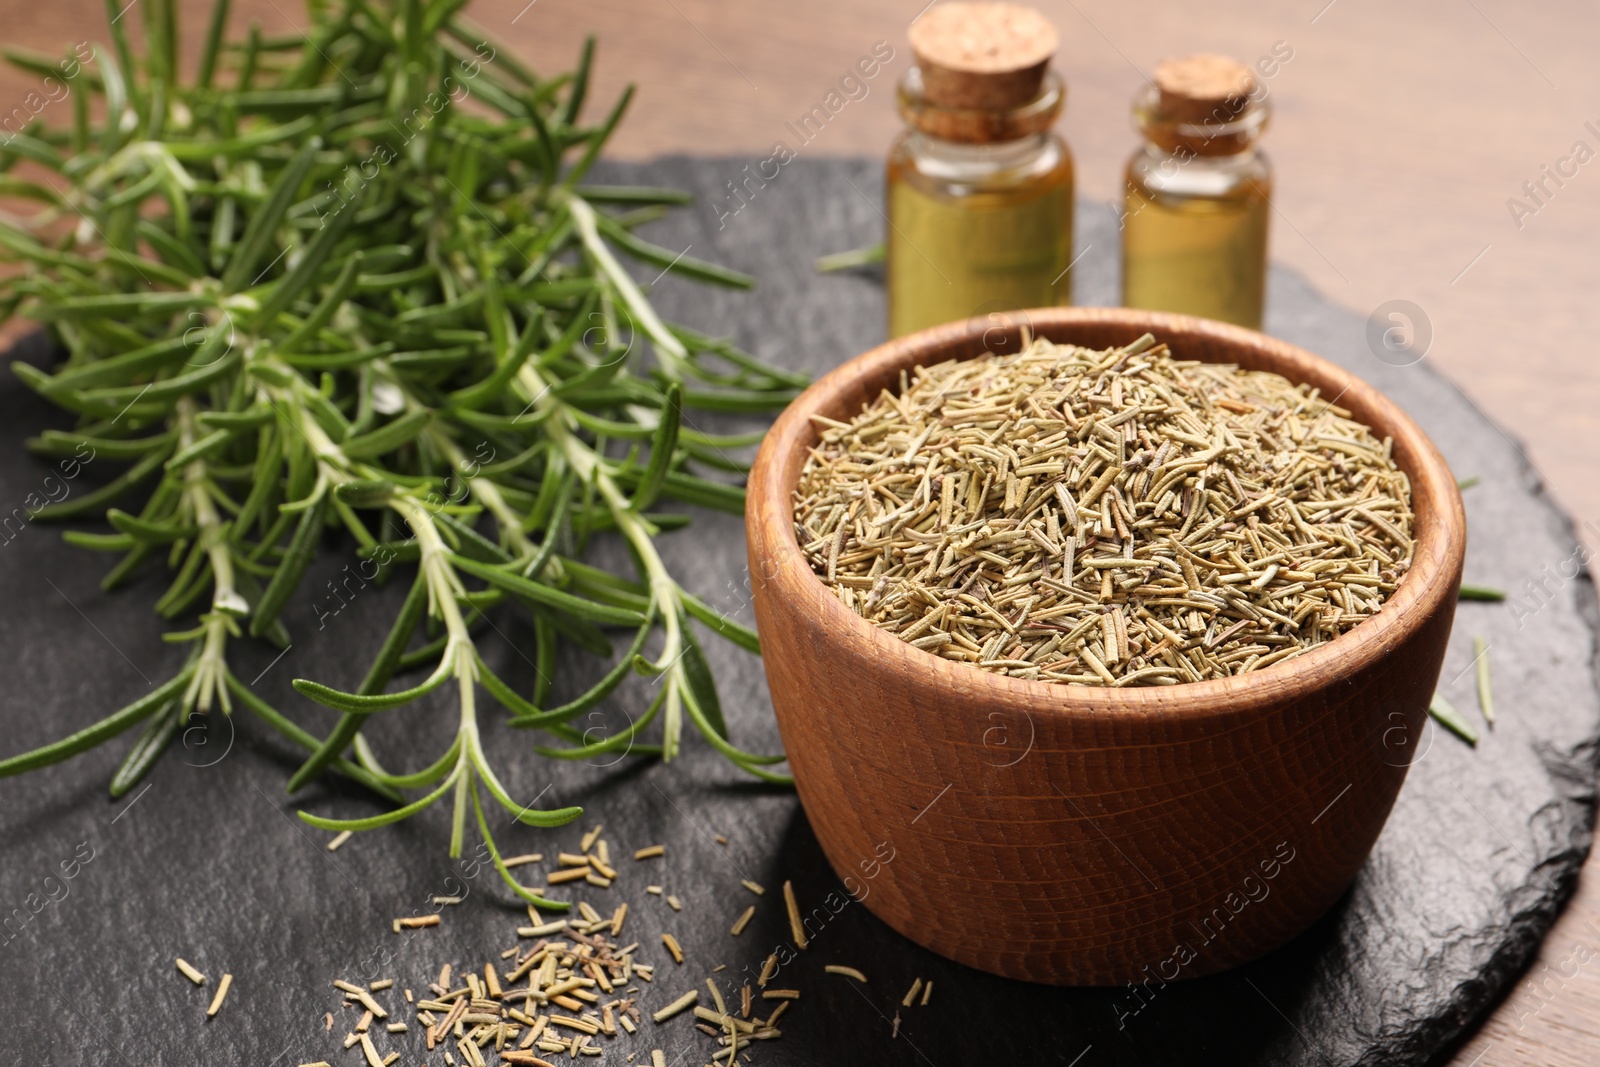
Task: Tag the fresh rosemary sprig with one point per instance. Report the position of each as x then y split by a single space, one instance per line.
351 279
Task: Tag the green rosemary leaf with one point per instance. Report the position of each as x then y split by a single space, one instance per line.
738 400
65 443
734 631
581 632
342 701
622 740
113 398
120 305
151 743
316 254
219 245
38 64
388 818
331 361
1480 592
598 139
213 44
504 693
31 148
188 585
368 493
98 542
389 436
1446 715
125 567
235 420
393 551
302 547
697 676
568 115
252 247
251 58
716 459
603 585
279 723
632 194
499 864
198 450
154 533
343 285
539 593
244 144
106 728
328 416
416 780
112 490
263 487
124 368
474 37
117 90
495 384
749 762
471 543
528 715
726 440
673 262
546 642
184 265
701 491
661 450
524 813
855 257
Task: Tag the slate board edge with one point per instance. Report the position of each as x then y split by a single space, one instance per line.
1578 770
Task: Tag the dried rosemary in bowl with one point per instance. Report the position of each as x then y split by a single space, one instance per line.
1117 517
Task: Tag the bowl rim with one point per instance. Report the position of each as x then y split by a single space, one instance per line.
1429 585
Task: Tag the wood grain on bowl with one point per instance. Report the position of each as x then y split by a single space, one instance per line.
1105 835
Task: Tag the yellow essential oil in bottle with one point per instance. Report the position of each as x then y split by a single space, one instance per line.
979 189
1198 194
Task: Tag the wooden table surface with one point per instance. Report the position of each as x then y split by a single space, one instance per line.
1402 137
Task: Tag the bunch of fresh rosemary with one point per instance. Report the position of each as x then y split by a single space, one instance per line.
350 279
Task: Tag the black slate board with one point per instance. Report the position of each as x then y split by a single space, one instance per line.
209 863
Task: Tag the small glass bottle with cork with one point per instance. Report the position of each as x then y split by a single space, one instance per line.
1198 194
979 188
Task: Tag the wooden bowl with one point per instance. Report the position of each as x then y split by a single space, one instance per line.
1092 836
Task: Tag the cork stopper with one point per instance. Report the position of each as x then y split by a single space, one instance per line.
982 56
1203 87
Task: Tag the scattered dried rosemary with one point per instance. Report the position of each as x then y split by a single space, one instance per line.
1116 517
574 992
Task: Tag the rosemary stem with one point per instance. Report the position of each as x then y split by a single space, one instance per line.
213 534
670 350
444 586
487 494
590 468
469 749
208 680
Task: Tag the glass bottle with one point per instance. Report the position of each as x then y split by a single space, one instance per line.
979 188
1198 194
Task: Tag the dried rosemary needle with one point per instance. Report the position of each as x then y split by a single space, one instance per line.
1480 659
1117 517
